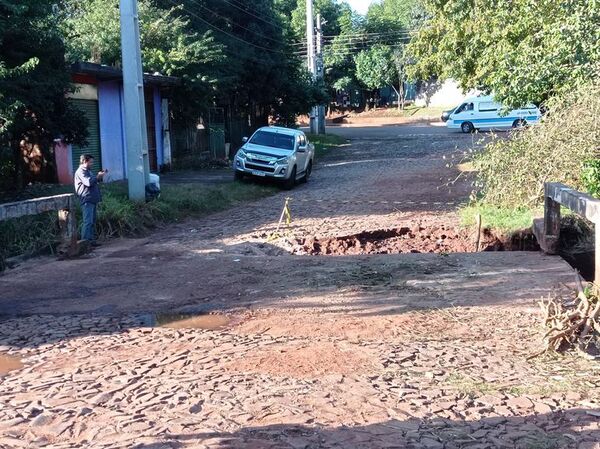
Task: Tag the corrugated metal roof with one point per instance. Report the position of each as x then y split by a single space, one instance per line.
108 73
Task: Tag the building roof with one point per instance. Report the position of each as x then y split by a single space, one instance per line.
109 73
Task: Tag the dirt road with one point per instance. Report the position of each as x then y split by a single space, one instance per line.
357 326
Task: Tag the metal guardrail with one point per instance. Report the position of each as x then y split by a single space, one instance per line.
547 230
65 206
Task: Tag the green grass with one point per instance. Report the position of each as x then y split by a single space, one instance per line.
408 111
324 143
473 387
118 217
470 387
500 219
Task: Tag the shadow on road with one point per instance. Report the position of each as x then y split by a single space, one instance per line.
576 428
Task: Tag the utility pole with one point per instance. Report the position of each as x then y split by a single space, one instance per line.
136 134
312 66
320 75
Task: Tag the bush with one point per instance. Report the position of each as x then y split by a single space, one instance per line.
120 217
500 219
512 172
591 177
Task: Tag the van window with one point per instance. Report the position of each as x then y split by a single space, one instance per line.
488 107
464 107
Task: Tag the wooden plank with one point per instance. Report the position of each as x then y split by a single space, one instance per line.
581 203
597 255
585 205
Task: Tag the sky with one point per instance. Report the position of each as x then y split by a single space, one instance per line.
360 6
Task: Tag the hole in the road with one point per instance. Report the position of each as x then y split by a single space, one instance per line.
189 321
418 239
9 363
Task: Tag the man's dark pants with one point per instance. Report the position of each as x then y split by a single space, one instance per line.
89 221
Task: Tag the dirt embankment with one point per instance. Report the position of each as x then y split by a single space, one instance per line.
418 239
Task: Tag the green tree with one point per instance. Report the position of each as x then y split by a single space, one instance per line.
260 62
521 50
381 66
331 12
33 82
169 45
373 67
401 64
93 32
340 50
391 15
228 53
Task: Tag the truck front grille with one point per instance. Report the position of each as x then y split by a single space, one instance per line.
267 169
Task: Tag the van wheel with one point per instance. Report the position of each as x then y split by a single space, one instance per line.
238 176
519 123
467 127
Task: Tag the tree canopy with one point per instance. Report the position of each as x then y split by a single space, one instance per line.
33 82
169 46
246 56
522 51
374 68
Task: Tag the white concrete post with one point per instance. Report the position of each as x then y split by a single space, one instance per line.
136 134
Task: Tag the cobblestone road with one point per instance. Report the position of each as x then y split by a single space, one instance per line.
387 351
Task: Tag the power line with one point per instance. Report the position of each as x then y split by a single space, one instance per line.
247 11
332 36
368 41
348 47
225 32
262 36
363 38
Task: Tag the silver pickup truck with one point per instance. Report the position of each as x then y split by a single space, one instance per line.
280 153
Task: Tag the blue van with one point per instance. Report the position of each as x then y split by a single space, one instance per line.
484 113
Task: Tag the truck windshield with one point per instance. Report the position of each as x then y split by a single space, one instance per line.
274 140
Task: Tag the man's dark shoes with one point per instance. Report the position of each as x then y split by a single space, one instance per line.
95 244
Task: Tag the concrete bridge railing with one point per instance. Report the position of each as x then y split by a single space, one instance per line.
64 205
547 230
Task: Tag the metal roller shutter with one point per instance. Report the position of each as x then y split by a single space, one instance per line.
90 109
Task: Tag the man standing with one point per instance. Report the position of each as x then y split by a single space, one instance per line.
86 186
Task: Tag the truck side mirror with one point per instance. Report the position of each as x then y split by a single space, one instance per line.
244 139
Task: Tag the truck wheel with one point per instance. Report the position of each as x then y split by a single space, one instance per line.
238 176
467 127
307 174
289 183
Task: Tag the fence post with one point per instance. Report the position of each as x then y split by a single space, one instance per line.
68 229
597 254
551 222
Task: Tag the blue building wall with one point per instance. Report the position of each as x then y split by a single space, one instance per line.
112 128
112 137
